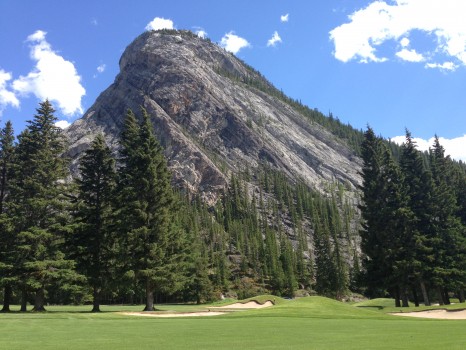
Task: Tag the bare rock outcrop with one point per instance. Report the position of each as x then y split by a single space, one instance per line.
209 120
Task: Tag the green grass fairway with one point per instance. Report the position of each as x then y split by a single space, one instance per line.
307 323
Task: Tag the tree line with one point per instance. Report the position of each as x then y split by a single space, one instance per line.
120 232
414 219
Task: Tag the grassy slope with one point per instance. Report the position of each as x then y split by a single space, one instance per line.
308 323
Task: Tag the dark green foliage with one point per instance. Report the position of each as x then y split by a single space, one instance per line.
7 238
146 211
93 241
412 233
39 206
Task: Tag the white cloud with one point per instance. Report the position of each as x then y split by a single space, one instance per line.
274 39
284 18
201 33
7 97
450 66
101 68
404 42
381 21
62 124
233 43
410 55
160 23
455 147
52 78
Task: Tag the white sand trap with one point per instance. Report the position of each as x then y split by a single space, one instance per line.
440 314
171 314
238 306
248 305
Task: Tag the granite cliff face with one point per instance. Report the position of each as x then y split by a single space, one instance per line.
209 120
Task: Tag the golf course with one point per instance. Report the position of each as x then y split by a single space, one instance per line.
305 323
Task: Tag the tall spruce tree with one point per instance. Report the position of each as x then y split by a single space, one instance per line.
39 205
147 205
93 242
375 267
450 250
7 241
388 235
418 183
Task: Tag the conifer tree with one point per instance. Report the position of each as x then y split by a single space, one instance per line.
147 208
418 183
450 250
93 241
7 238
388 234
39 205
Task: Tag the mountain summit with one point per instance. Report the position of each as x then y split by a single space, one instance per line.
214 115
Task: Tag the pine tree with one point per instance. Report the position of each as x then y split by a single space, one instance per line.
147 205
7 241
388 234
39 205
418 183
450 249
93 241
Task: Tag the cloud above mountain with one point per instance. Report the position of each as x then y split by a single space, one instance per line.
53 77
436 29
233 43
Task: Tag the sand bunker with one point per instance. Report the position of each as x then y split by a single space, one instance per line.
172 314
236 306
440 314
248 305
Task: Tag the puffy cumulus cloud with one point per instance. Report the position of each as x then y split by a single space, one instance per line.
7 97
380 21
233 43
160 23
62 124
410 55
455 148
284 18
274 39
201 33
52 78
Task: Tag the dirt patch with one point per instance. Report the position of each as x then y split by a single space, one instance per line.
440 314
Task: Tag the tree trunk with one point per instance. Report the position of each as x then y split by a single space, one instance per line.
39 301
397 297
404 297
24 300
440 296
461 295
446 297
6 298
416 299
425 296
149 296
96 299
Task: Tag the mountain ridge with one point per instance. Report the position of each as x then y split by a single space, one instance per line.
211 119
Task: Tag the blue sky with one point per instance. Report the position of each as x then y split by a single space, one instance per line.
389 64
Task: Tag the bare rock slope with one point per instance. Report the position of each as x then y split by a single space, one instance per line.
210 121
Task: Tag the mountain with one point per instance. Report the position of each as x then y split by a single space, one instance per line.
214 116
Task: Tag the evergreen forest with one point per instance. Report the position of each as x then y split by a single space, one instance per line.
120 233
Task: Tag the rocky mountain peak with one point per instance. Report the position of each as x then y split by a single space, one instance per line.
214 116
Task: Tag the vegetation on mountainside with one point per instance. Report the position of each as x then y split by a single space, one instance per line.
124 235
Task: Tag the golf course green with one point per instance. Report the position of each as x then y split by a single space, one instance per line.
306 323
